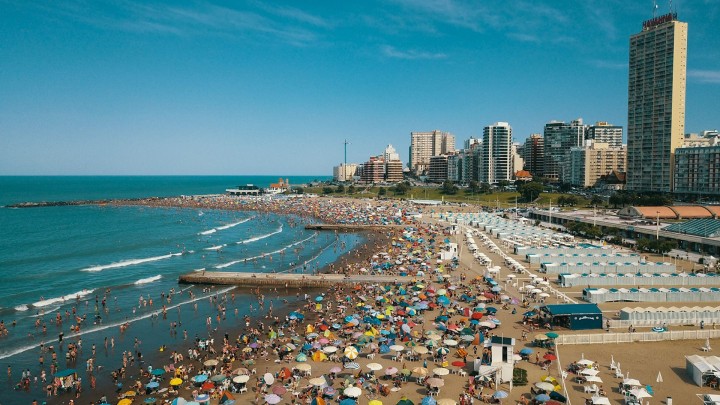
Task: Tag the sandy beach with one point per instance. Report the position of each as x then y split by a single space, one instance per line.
382 341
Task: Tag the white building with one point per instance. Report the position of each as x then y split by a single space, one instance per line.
345 172
496 153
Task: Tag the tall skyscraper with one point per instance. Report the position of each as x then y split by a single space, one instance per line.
424 145
559 138
534 155
602 132
496 153
656 102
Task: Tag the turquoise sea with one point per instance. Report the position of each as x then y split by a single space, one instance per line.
106 262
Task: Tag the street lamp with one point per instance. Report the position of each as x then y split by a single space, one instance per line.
657 226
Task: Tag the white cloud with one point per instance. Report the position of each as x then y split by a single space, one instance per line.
392 52
704 76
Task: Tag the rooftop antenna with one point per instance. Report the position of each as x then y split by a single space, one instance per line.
655 7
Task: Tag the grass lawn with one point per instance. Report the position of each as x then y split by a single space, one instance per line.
502 199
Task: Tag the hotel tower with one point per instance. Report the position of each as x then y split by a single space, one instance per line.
656 103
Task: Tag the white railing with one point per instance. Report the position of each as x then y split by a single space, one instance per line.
625 337
624 323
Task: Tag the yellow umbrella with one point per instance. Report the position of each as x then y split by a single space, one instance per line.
375 402
351 352
125 402
319 356
130 394
176 381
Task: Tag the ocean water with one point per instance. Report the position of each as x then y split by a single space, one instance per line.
107 262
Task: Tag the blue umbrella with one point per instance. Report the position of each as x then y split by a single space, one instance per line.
158 371
384 349
496 289
542 398
526 350
153 384
348 401
200 378
319 298
428 401
500 395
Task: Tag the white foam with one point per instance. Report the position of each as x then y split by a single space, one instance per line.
148 280
218 247
64 298
234 262
21 307
224 227
131 262
110 325
261 237
196 270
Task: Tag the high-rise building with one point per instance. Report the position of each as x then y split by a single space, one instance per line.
345 172
516 158
438 171
424 145
534 155
496 153
594 160
656 102
602 132
559 138
393 171
470 157
697 171
454 167
390 154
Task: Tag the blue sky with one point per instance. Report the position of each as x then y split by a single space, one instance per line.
257 87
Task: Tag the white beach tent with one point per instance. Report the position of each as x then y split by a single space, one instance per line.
698 367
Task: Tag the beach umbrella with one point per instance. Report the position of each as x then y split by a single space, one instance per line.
428 401
542 337
319 356
272 399
351 352
552 335
335 370
301 357
375 402
125 401
435 382
593 378
487 324
218 378
130 394
391 371
500 395
329 349
241 379
545 386
441 371
268 378
405 401
632 382
600 401
278 390
450 342
420 350
152 384
443 350
211 362
397 348
352 392
202 398
421 371
458 363
585 362
318 381
176 381
149 400
659 378
200 378
158 371
352 366
207 386
526 351
348 401
589 371
179 401
542 398
319 298
550 356
374 366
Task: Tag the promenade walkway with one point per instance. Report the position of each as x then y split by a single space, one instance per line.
284 279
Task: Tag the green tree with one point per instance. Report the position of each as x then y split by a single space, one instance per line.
448 188
340 189
382 191
503 184
473 187
327 190
596 201
401 188
298 190
351 189
530 191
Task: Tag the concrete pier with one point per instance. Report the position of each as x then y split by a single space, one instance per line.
284 279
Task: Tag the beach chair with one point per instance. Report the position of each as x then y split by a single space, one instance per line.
243 389
618 373
706 348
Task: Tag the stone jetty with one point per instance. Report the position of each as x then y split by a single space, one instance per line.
284 279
